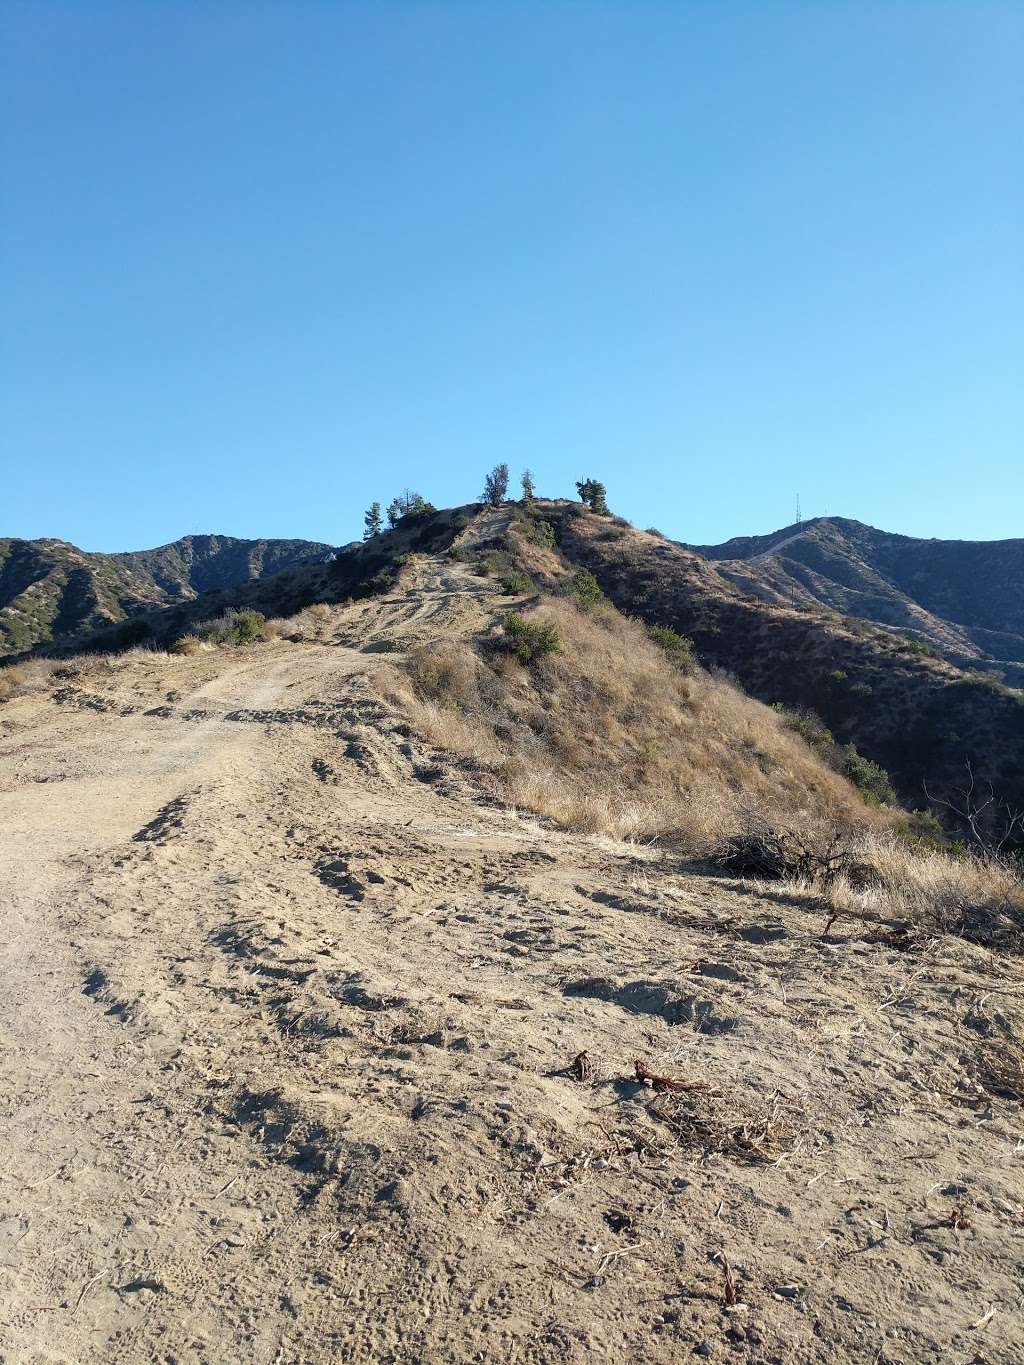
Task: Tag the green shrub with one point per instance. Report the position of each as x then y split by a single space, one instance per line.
248 626
870 778
583 588
921 829
233 628
494 562
810 727
921 647
679 648
536 530
517 584
530 640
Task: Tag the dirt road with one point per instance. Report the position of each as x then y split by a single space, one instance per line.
289 1022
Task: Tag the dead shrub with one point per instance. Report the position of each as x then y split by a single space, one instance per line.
974 897
770 853
11 679
704 1120
187 644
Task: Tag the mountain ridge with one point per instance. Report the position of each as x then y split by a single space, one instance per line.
51 591
962 598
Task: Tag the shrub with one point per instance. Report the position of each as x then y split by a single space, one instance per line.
248 626
187 644
870 778
530 640
810 727
770 853
921 647
517 584
233 628
11 679
536 530
583 588
494 562
678 648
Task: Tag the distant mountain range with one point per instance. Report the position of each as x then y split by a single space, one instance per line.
53 592
962 598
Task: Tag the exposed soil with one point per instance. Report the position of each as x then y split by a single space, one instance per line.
310 1053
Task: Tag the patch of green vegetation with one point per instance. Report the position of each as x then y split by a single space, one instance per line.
678 648
583 588
517 584
530 640
870 778
494 563
233 628
533 527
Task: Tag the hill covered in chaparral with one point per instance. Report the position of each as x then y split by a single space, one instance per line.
964 599
51 591
506 941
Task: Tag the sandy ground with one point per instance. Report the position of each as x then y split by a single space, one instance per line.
289 1020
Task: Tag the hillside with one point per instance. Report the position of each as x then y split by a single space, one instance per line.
963 598
921 718
51 591
359 1010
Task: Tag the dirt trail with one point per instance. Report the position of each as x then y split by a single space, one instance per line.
288 1028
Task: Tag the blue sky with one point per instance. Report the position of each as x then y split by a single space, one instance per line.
261 263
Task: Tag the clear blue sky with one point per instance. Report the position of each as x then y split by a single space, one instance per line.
261 263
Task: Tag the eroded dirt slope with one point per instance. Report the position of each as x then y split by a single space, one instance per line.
292 1027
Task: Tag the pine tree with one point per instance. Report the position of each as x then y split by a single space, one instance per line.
408 503
528 489
496 485
373 523
594 495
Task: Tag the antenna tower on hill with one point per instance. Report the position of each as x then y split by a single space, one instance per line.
799 519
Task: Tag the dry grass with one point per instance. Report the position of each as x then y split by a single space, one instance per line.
188 644
608 737
20 679
976 898
11 679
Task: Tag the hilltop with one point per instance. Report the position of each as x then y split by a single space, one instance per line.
842 680
384 988
53 592
962 598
